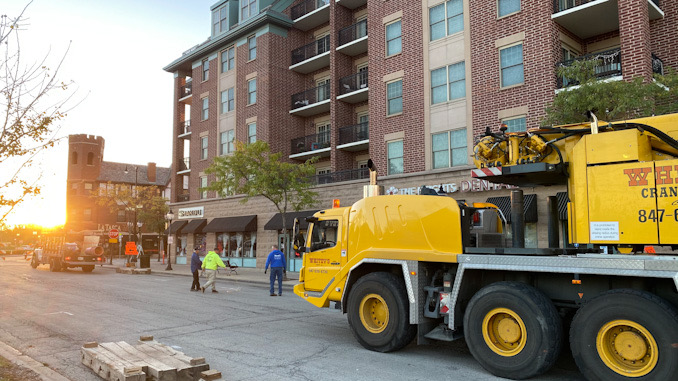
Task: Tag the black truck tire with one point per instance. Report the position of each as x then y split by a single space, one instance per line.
513 330
88 269
52 265
378 313
34 262
626 335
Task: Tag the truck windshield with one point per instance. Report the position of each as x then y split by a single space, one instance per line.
324 234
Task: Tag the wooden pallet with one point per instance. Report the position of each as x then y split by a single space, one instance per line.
148 360
132 270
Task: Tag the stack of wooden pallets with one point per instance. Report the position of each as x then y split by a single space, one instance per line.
148 360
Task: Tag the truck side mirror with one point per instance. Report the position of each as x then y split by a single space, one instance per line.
298 241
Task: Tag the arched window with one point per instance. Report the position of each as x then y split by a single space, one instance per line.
90 158
74 158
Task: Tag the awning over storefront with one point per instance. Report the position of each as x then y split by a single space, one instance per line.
276 223
233 224
176 227
195 226
529 206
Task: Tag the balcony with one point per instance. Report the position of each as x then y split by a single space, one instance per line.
351 4
353 39
609 66
311 145
185 92
339 176
185 129
311 57
354 89
310 13
354 138
184 166
588 18
311 102
183 197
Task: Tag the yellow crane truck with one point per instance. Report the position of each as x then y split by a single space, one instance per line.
432 268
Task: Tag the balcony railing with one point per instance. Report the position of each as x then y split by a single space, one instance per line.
353 32
353 82
355 133
563 5
186 90
311 96
185 127
183 197
609 65
185 164
339 176
306 7
311 50
311 142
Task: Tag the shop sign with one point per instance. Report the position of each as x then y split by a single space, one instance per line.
195 212
463 186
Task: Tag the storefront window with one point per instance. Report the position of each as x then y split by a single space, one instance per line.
181 247
200 240
236 245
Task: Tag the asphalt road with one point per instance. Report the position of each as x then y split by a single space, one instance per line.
242 331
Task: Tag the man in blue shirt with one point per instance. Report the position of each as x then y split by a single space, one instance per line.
276 259
196 264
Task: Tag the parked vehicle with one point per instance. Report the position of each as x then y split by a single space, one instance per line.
60 255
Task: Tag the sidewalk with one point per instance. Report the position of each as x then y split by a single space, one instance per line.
248 275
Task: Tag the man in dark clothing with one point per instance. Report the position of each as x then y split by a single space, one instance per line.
277 261
196 264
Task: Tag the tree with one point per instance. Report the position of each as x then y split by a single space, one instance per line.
32 111
252 170
609 100
140 203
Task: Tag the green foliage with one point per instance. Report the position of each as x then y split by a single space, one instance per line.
666 94
252 170
150 206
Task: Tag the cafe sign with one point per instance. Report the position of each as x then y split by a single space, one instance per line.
463 186
195 212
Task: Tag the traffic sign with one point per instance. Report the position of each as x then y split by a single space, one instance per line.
131 248
113 233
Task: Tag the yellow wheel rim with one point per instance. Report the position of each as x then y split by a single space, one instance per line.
504 332
627 348
374 313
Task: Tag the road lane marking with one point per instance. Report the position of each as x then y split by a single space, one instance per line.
60 312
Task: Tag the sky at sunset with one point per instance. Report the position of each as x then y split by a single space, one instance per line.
118 49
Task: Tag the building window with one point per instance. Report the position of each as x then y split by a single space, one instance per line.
252 91
251 48
248 9
205 108
446 19
251 133
227 142
74 158
448 83
236 245
394 95
515 124
449 149
203 184
203 148
87 214
395 157
227 100
506 7
88 186
205 70
220 20
394 43
121 216
227 59
511 65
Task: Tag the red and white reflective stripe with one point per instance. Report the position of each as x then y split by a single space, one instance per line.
485 172
444 301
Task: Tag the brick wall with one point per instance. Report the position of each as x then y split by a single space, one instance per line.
634 33
663 35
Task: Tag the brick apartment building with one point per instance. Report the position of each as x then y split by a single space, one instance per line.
87 172
409 84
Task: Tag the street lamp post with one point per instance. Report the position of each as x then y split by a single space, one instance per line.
137 225
169 216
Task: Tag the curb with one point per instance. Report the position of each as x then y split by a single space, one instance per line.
22 360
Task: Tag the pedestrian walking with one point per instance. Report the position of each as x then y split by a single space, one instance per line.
196 264
210 265
276 259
